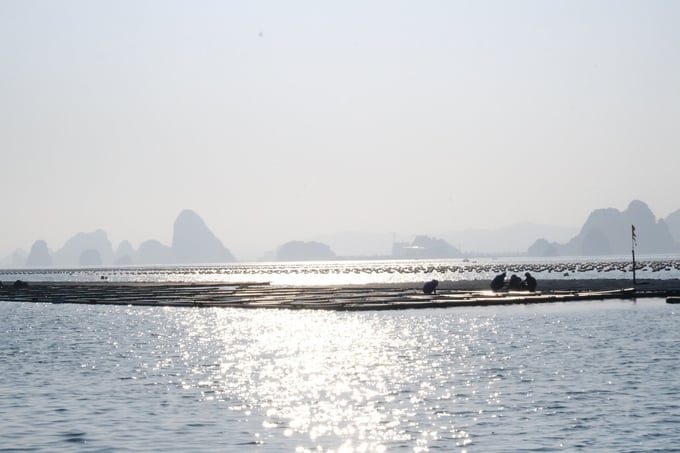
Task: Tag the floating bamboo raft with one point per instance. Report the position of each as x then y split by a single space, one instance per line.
257 295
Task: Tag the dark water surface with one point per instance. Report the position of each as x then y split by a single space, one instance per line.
590 376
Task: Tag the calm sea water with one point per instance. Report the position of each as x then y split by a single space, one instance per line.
581 376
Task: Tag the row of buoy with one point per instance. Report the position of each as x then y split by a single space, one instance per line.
372 268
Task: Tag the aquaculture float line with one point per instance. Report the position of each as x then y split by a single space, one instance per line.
354 298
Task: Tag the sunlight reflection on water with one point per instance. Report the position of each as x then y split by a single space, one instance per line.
576 376
345 382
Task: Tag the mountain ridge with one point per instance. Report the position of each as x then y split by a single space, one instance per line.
605 231
609 231
193 243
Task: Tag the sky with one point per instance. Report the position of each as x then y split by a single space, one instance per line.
278 121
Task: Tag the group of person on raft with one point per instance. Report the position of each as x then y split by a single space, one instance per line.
498 283
515 283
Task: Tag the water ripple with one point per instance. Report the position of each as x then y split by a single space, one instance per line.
533 378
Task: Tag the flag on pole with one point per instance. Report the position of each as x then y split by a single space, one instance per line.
633 236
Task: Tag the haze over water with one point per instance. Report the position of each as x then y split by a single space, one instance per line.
281 122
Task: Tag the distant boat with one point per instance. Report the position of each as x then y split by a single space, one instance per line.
673 300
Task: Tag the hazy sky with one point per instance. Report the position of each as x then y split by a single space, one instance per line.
281 120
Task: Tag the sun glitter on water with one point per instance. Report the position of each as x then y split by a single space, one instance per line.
323 381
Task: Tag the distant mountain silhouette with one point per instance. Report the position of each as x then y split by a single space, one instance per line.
39 255
153 252
608 231
304 251
124 254
673 223
544 248
69 255
193 242
15 260
90 257
510 239
425 247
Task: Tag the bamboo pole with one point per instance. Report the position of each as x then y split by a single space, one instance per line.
632 246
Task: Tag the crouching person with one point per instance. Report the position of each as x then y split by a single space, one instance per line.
529 282
430 287
498 282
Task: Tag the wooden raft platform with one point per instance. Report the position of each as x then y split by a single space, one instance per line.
257 295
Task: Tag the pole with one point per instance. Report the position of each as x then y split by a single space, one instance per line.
634 266
633 241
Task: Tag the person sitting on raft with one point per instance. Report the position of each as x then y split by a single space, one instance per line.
498 282
529 282
430 287
515 283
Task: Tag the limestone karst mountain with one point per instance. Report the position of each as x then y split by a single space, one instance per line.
153 252
673 223
69 255
193 242
543 247
39 256
608 232
15 260
124 254
605 232
425 247
89 258
304 251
